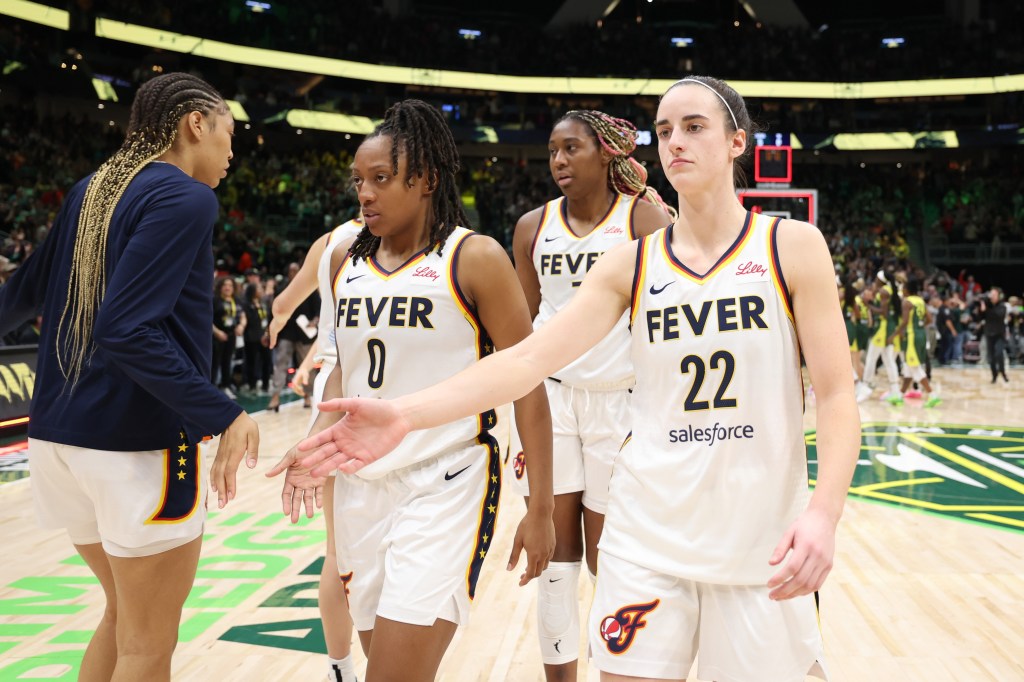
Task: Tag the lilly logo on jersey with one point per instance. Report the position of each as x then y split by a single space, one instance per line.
618 631
426 272
751 268
613 230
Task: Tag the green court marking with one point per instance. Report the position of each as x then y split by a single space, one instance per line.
22 629
236 519
198 624
953 470
73 637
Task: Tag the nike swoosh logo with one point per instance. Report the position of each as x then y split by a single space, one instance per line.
554 580
655 292
551 239
352 279
449 477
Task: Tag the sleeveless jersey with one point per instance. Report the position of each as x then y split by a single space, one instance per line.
915 339
717 467
561 260
327 349
399 332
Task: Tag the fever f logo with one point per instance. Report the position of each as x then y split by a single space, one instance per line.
619 630
519 465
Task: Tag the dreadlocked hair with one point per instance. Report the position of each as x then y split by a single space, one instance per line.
617 136
152 127
419 130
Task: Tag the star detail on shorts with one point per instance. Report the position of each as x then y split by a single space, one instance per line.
183 448
487 538
491 509
494 479
483 553
181 475
181 461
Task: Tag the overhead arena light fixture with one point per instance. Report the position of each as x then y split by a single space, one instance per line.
470 33
257 7
893 42
682 42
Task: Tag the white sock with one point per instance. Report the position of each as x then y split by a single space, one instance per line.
341 669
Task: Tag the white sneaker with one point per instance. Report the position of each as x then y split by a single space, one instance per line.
863 392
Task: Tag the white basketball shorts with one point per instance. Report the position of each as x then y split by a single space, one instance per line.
134 503
588 428
410 545
649 624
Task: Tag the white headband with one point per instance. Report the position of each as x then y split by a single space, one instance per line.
717 94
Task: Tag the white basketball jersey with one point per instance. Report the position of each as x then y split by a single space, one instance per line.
716 470
562 259
399 332
327 350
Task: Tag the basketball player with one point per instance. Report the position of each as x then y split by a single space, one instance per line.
709 496
419 297
911 331
858 318
123 394
886 300
555 244
316 273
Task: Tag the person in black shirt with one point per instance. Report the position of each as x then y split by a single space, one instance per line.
229 322
123 394
993 313
257 353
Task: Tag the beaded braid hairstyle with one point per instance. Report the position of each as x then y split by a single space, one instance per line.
152 127
736 118
617 136
419 130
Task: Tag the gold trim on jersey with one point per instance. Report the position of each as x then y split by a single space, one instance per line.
564 220
639 276
775 268
726 258
378 270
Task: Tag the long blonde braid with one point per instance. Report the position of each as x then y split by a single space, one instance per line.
152 127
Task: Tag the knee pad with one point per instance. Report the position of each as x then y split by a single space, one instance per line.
558 612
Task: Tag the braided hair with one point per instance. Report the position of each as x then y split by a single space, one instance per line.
419 130
617 136
152 127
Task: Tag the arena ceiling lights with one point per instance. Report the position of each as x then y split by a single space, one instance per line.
273 59
36 13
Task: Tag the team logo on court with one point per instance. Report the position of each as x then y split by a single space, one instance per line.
519 465
966 472
618 631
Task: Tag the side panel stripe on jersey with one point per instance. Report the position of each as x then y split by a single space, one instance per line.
630 227
737 246
776 267
540 228
563 217
488 512
484 347
639 276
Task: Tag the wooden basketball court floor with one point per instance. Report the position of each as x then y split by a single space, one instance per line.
928 582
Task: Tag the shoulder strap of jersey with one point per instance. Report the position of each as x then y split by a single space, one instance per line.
549 208
775 265
634 201
643 247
